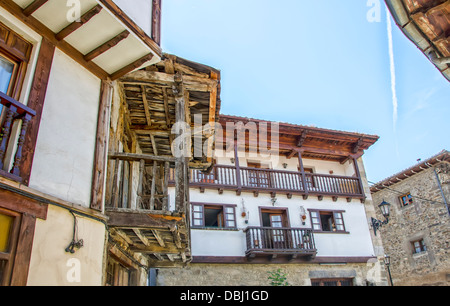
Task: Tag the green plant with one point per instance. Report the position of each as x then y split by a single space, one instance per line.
278 278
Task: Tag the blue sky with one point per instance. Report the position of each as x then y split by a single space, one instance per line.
318 63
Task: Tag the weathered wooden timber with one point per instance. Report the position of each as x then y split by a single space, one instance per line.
152 140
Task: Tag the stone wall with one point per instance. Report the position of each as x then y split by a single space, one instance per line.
426 218
257 275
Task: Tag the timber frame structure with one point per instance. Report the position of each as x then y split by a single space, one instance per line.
155 104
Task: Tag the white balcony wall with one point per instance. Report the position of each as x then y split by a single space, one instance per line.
223 242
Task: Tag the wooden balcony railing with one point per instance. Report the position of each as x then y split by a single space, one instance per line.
291 182
11 143
138 182
280 241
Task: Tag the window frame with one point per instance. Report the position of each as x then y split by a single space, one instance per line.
225 215
119 273
17 50
422 246
10 254
402 200
319 282
333 213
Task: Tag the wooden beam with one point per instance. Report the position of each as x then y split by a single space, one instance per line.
146 107
36 102
136 64
358 175
142 237
138 157
129 23
166 186
176 236
212 120
101 147
40 28
159 238
136 219
166 108
180 148
158 256
33 7
78 24
302 170
153 188
301 139
106 46
292 154
155 149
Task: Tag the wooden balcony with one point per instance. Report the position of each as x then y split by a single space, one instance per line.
11 143
276 181
274 242
138 209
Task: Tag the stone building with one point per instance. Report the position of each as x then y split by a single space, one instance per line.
417 237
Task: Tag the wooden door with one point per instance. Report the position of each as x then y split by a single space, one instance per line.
278 236
275 221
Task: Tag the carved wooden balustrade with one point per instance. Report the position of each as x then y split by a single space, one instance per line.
10 142
263 180
276 241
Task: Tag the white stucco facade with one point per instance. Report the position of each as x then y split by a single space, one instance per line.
64 156
220 242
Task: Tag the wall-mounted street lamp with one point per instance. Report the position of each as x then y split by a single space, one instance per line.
385 208
387 263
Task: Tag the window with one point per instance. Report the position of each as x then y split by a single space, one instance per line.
332 282
14 56
327 221
406 200
9 225
419 246
7 68
118 275
213 216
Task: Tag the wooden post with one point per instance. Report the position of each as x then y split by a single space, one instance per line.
180 143
166 186
238 168
101 147
36 102
358 175
302 170
153 190
141 184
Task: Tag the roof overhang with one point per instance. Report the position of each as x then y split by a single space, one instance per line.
311 142
427 24
103 39
405 174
